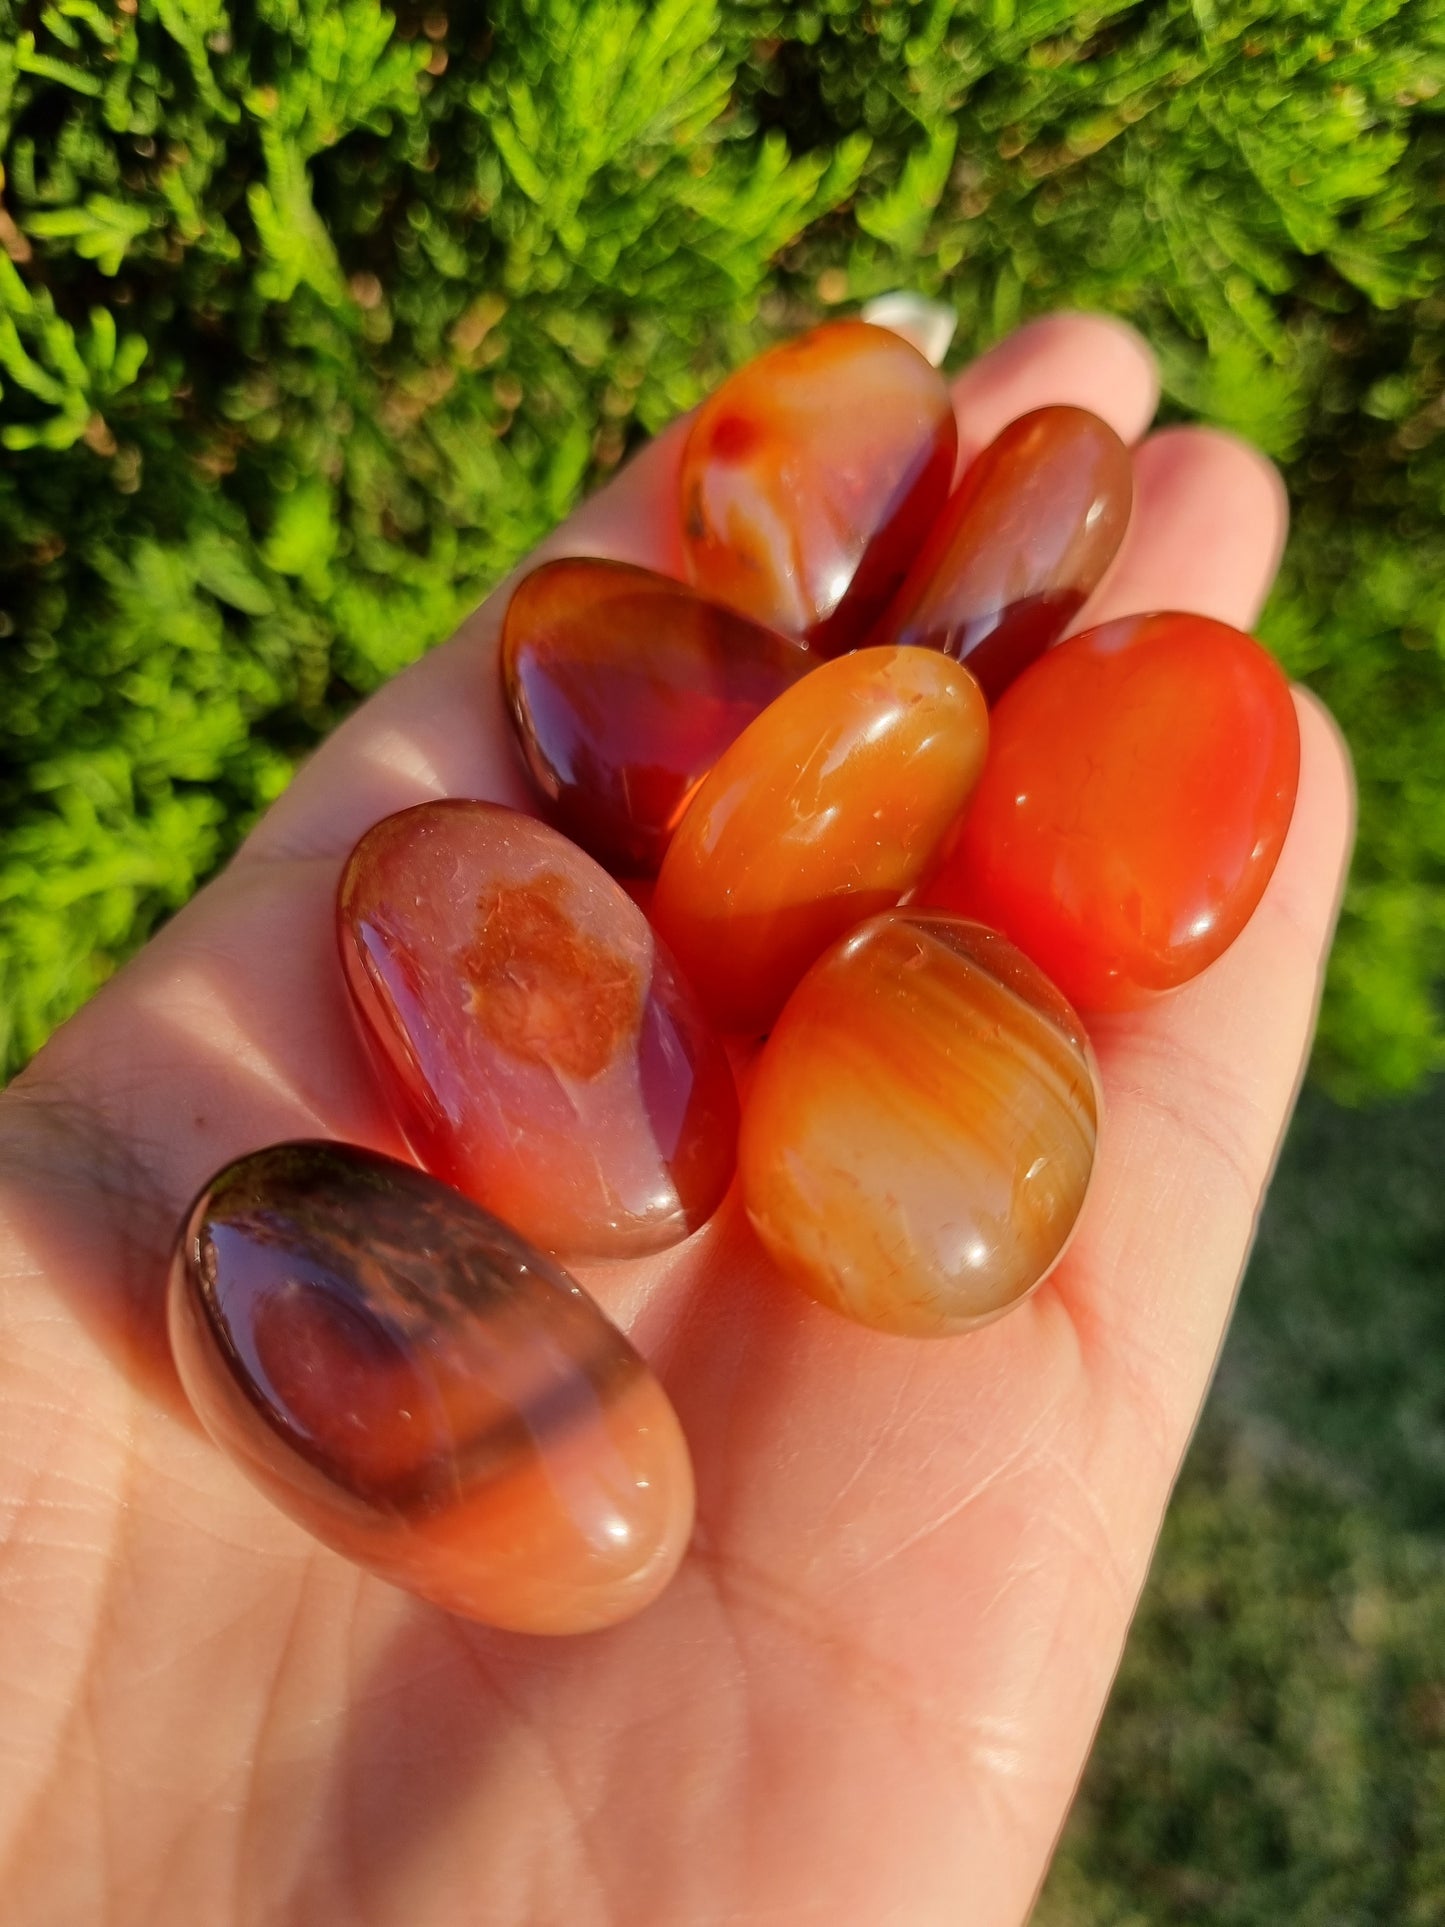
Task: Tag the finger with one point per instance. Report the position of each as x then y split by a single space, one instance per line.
1220 1057
1207 531
1197 1090
1085 360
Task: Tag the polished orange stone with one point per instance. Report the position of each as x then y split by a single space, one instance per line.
811 477
540 1049
425 1392
1140 781
624 689
919 1137
1022 543
827 808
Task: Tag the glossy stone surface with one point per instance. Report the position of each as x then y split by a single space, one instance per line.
624 689
425 1392
1023 541
538 1045
1140 781
811 477
919 1137
827 808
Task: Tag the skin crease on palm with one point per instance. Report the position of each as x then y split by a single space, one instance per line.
869 1694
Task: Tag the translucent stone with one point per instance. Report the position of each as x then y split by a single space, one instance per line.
826 809
538 1045
624 689
1140 781
425 1392
920 1133
812 476
1022 543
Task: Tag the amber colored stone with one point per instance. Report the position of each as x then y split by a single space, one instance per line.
827 808
540 1049
920 1134
625 688
1140 781
811 477
1020 546
425 1392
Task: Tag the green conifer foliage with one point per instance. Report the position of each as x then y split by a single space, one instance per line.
314 317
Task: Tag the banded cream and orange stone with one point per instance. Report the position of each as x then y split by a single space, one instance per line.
537 1043
920 1134
425 1392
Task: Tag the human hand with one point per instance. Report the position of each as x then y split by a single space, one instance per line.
869 1693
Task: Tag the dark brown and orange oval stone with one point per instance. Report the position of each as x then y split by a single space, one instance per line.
812 476
425 1392
624 689
539 1047
920 1133
1023 542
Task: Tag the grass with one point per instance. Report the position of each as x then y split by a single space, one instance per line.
1274 1749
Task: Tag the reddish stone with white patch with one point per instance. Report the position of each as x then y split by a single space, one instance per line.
537 1043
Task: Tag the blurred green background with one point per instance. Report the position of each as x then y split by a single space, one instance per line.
313 316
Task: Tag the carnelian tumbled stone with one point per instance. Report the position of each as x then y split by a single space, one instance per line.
1024 540
827 808
538 1045
425 1392
1140 781
920 1134
811 477
624 689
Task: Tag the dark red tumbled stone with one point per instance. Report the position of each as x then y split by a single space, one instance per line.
624 688
1023 542
426 1392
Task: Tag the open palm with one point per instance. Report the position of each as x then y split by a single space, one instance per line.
868 1695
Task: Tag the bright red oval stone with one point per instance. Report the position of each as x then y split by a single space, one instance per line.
811 477
1139 783
1022 543
624 689
537 1042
